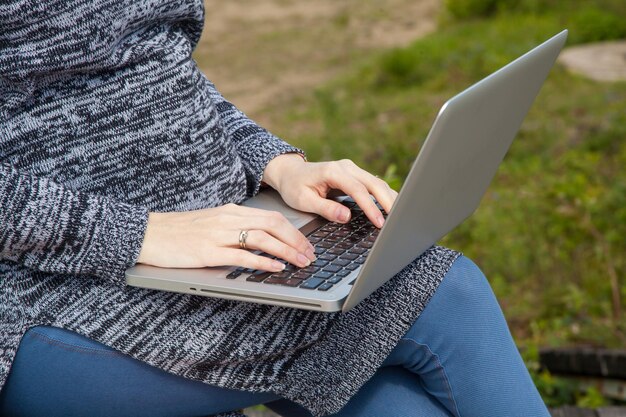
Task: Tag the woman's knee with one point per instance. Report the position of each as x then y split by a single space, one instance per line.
465 284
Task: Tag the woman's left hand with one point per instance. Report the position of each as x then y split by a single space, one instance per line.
305 186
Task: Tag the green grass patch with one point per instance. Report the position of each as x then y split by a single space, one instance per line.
550 231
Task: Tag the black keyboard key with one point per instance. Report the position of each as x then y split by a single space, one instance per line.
352 266
358 250
323 275
341 262
349 256
275 280
336 251
334 280
343 273
320 234
320 262
332 268
365 244
301 275
344 245
312 283
325 286
293 282
259 276
360 260
314 240
234 274
281 275
319 250
324 244
290 268
311 268
327 256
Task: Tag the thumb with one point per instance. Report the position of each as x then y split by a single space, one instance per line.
331 210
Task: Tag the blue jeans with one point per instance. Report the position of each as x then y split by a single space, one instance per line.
457 359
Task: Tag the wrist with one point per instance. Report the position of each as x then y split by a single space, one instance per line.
276 168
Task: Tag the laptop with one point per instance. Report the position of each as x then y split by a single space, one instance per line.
467 142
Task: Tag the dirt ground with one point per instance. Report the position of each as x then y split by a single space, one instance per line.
261 51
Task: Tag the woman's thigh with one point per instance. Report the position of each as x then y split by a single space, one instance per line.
61 373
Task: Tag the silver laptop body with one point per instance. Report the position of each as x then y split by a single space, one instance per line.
458 160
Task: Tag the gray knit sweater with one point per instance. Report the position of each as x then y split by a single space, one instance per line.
104 116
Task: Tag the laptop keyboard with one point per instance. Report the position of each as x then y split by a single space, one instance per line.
339 248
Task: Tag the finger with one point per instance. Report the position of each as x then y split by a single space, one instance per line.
275 224
258 239
361 196
240 257
327 208
377 187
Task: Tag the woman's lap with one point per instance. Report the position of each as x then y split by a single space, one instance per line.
61 368
61 373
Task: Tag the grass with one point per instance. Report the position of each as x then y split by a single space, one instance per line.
549 234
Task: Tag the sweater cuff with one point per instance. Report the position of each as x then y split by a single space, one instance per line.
257 147
118 238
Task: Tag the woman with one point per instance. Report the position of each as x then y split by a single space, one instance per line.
114 150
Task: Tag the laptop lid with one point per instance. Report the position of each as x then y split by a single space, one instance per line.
458 160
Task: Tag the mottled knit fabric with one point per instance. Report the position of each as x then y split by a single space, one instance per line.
104 117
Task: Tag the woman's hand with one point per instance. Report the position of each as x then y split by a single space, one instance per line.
210 237
305 186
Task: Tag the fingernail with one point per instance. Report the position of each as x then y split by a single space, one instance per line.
303 260
279 266
310 254
343 214
380 220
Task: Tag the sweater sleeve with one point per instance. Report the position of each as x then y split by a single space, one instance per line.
255 145
51 228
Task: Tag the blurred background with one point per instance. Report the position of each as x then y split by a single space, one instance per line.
364 79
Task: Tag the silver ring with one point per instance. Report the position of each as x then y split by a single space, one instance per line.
243 235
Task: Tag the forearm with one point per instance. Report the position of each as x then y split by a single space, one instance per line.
51 228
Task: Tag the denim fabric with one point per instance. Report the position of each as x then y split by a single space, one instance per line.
457 359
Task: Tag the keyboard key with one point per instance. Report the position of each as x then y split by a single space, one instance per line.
349 256
319 250
327 256
334 280
281 275
358 250
312 283
365 244
258 277
344 245
332 268
324 244
343 273
275 280
323 275
341 262
234 274
301 275
325 286
336 251
314 240
293 282
320 262
311 268
352 266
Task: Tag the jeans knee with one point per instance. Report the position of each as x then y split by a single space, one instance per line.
466 284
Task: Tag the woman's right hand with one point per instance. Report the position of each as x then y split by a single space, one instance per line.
210 237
